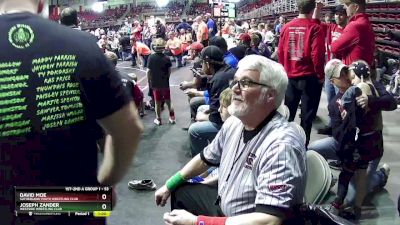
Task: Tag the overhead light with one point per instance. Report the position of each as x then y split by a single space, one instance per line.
162 3
98 7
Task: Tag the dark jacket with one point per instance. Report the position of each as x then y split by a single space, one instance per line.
218 83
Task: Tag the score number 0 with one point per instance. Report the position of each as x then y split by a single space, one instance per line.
104 197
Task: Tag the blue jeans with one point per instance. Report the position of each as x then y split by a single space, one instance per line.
331 92
126 55
201 134
178 59
327 147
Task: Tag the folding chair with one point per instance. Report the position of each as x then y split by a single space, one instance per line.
319 178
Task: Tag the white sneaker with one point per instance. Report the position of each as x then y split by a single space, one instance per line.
385 168
157 122
172 120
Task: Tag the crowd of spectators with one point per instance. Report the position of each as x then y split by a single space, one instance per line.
197 9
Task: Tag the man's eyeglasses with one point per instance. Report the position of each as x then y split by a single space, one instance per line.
244 84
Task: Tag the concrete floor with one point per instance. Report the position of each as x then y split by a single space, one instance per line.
165 149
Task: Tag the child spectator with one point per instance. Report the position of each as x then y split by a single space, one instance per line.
158 75
359 142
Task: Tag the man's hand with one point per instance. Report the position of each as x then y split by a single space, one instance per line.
183 85
180 217
362 101
191 92
162 196
343 114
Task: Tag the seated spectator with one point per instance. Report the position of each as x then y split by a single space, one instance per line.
229 58
207 126
261 159
241 50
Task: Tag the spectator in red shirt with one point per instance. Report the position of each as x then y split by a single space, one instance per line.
332 32
137 30
301 51
358 39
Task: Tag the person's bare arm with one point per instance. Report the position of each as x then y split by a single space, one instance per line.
255 218
123 129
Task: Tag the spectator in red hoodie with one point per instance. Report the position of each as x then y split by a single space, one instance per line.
302 52
358 39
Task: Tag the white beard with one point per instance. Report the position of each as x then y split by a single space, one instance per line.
243 109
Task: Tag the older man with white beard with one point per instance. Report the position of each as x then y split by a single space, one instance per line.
261 159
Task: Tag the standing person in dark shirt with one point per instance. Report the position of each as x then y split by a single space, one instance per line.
125 42
69 18
160 30
208 124
47 137
183 25
301 51
158 74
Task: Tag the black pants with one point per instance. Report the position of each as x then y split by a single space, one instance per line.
198 199
308 90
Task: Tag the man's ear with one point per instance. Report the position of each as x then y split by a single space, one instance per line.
271 95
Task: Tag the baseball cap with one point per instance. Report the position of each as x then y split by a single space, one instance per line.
245 37
212 54
195 46
219 42
340 9
333 68
360 68
158 45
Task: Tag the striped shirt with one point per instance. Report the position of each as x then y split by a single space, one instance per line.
268 170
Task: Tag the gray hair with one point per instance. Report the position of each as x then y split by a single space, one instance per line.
271 73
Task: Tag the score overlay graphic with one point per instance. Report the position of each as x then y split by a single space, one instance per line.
71 201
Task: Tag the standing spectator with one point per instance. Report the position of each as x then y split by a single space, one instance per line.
158 76
358 39
69 18
183 25
137 30
333 32
160 30
301 51
174 45
146 34
61 151
202 31
211 25
185 36
279 26
126 46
